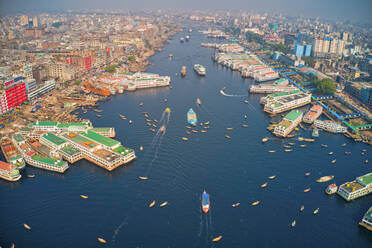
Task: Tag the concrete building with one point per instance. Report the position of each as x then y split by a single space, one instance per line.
41 90
61 70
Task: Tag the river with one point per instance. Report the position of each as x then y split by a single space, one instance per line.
230 170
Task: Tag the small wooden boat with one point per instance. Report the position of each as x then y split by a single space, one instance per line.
264 185
244 125
203 131
330 153
188 132
99 116
152 130
227 137
325 179
245 116
216 239
293 223
323 145
303 145
265 139
201 123
206 127
344 144
155 120
31 176
333 161
272 177
302 208
130 121
206 123
165 100
188 127
255 203
152 204
123 117
194 131
27 226
307 190
271 151
141 148
347 153
288 150
246 101
229 128
184 138
316 211
143 178
164 204
141 104
235 205
154 125
102 240
307 174
291 144
84 196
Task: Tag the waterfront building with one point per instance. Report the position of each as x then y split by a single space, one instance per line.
361 186
289 122
288 102
9 172
313 114
42 89
330 126
360 90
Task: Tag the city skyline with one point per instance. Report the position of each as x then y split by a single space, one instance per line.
332 9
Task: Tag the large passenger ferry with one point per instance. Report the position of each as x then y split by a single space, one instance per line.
205 202
9 172
191 117
367 220
11 154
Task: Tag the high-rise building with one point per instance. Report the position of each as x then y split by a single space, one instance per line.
299 50
328 47
307 51
345 36
23 20
15 91
35 22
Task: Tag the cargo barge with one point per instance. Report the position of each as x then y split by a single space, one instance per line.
11 154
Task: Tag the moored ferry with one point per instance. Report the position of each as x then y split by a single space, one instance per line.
367 220
313 114
9 172
325 179
205 202
191 117
200 69
11 154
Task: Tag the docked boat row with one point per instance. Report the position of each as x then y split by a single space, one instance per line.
11 154
248 64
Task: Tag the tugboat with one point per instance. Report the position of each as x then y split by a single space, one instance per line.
205 202
331 189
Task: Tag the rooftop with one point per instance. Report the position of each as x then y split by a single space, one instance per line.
53 138
122 150
48 160
100 138
69 150
365 180
80 140
293 115
18 137
44 123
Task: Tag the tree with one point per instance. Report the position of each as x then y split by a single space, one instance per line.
110 68
147 44
325 86
77 82
65 84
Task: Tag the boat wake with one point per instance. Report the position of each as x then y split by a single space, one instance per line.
224 94
205 227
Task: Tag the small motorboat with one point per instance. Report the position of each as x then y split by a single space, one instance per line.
194 131
307 190
246 101
98 115
307 174
293 223
141 148
184 138
188 127
102 240
330 153
271 151
344 144
265 139
84 196
188 132
244 125
235 205
143 178
141 104
255 203
323 145
302 208
198 101
227 136
229 128
333 161
164 204
224 88
27 226
316 211
152 204
272 177
130 121
162 129
264 185
31 176
217 239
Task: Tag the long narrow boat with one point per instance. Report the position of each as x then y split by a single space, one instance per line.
325 179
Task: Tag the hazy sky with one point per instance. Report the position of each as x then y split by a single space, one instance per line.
360 10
